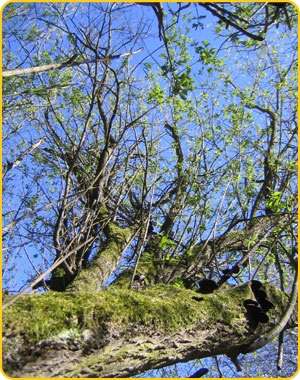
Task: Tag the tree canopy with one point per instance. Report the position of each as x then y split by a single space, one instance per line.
149 189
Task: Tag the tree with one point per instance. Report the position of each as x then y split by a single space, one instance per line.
152 194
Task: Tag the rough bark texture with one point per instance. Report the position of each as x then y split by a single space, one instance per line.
121 333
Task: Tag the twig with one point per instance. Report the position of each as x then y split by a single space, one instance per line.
11 165
42 276
39 69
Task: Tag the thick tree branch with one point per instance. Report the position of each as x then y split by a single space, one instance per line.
121 333
105 261
204 253
176 206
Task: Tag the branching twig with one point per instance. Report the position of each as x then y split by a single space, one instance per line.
11 165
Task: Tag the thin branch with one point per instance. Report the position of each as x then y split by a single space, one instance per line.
257 245
227 21
42 276
280 351
39 69
11 165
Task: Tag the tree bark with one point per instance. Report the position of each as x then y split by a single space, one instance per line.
122 333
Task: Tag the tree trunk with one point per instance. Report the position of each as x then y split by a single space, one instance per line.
122 333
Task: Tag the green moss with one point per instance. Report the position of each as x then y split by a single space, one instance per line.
40 316
228 306
166 307
87 321
147 267
173 309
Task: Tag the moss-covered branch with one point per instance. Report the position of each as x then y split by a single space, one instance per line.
121 333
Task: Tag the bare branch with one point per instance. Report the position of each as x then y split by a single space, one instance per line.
11 165
53 66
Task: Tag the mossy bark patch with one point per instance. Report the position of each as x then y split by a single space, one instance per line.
100 325
37 317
